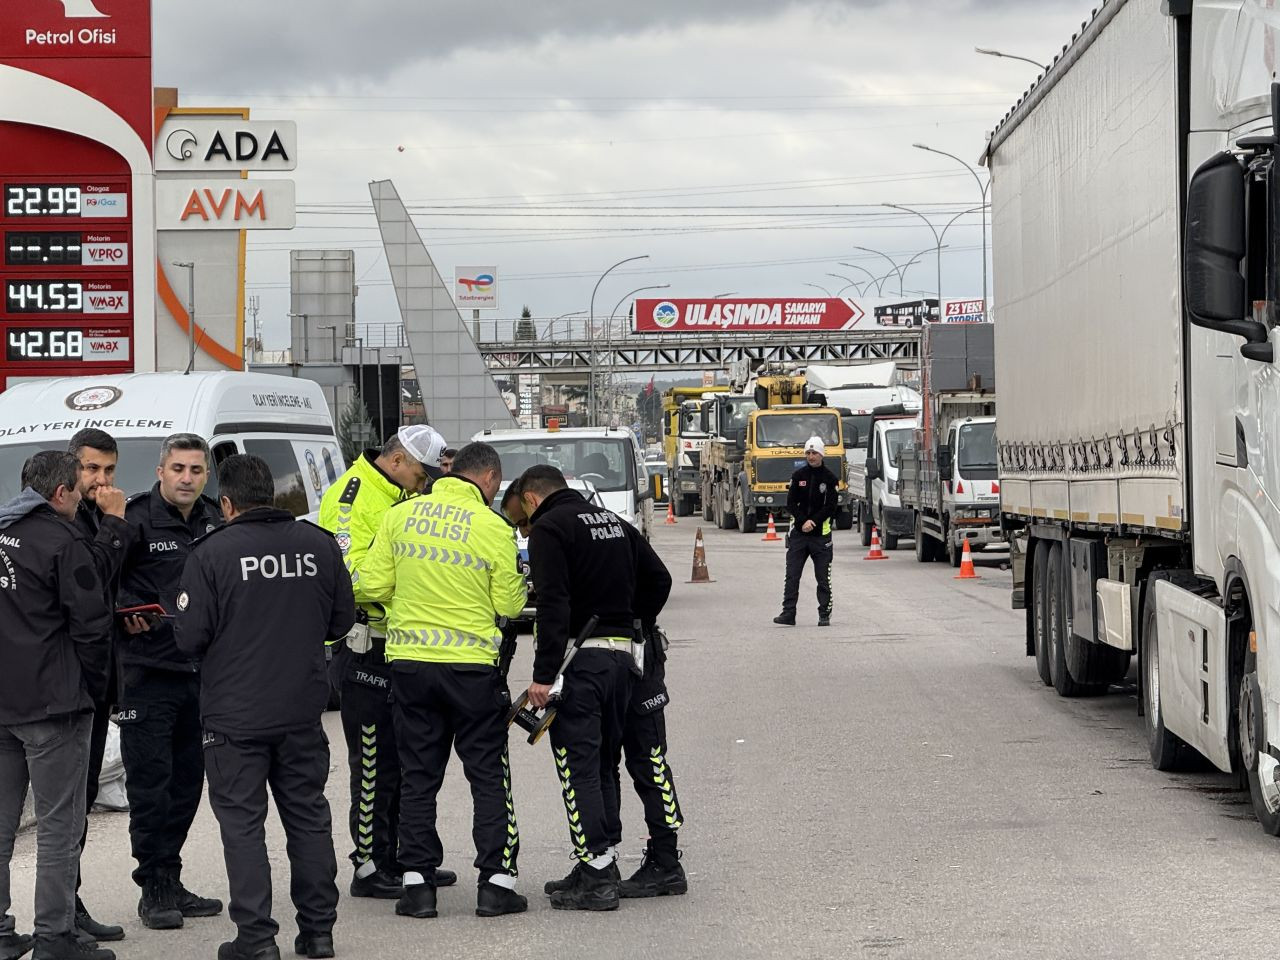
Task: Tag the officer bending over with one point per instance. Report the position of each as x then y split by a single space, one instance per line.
450 562
260 599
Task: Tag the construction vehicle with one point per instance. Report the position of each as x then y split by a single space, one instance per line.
949 479
757 443
684 435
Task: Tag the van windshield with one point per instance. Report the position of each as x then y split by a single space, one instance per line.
895 441
135 473
609 464
977 447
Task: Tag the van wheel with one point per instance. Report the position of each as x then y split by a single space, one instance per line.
864 526
1168 752
1040 609
1056 590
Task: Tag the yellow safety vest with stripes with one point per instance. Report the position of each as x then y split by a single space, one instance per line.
448 564
351 510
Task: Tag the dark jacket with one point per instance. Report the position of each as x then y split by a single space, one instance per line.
152 569
812 496
109 541
260 598
54 645
587 561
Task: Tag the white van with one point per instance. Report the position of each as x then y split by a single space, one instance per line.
283 420
608 458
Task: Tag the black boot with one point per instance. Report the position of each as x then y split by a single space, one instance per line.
824 619
191 905
378 885
592 890
785 619
235 950
157 907
315 946
570 878
67 946
16 945
494 901
418 900
92 929
660 875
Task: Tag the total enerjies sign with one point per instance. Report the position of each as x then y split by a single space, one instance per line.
217 145
760 315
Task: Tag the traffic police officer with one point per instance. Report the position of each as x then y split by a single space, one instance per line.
811 502
260 598
351 509
100 517
159 713
584 564
450 562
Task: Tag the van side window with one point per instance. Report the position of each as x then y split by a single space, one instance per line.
291 495
223 450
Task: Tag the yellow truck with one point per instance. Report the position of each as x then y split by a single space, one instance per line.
684 436
758 443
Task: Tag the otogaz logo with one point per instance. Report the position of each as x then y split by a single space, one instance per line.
481 283
666 314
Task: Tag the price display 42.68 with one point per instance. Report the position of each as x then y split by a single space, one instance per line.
44 343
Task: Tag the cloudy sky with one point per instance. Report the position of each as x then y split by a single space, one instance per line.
745 147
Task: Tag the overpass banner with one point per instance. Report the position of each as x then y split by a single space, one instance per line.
767 315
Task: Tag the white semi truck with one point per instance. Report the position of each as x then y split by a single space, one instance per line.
1136 226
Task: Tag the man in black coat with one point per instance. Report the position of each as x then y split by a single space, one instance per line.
54 648
811 502
159 713
260 598
100 517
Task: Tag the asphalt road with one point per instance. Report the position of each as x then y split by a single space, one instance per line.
898 785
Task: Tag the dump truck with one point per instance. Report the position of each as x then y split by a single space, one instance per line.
684 434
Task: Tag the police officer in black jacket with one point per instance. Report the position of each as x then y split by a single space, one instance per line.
159 713
811 501
100 517
584 564
260 599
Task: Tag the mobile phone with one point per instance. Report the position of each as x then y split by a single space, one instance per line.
152 611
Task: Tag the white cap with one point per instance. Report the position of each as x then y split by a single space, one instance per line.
815 443
421 442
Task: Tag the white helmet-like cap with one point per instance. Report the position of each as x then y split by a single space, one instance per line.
421 442
815 443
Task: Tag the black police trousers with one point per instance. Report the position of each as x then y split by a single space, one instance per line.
296 766
800 547
459 706
159 720
644 743
586 741
364 685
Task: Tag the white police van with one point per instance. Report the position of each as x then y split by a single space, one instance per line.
607 458
283 420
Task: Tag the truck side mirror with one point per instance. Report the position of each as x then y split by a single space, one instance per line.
658 483
740 439
1213 247
946 466
873 468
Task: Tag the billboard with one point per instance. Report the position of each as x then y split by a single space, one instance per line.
772 315
475 287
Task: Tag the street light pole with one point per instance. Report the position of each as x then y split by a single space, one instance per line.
1010 56
190 267
982 193
818 286
878 281
591 337
549 332
937 242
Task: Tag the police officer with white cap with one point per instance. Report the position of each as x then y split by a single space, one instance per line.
811 502
351 510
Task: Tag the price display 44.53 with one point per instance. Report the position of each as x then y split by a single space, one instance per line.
44 296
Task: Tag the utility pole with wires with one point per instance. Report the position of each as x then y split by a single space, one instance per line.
252 305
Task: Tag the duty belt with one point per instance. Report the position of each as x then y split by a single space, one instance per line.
614 644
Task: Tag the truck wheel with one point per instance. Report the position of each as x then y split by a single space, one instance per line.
1056 590
1259 766
864 526
954 553
844 519
1095 663
1168 752
724 519
745 516
890 540
683 505
708 508
924 543
1040 609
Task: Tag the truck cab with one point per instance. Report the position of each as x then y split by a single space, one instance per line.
971 497
875 481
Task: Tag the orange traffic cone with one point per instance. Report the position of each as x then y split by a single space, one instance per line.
876 553
671 513
700 572
966 565
771 533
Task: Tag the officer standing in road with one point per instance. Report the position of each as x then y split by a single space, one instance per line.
54 651
584 564
450 562
100 517
159 713
811 502
260 599
351 510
